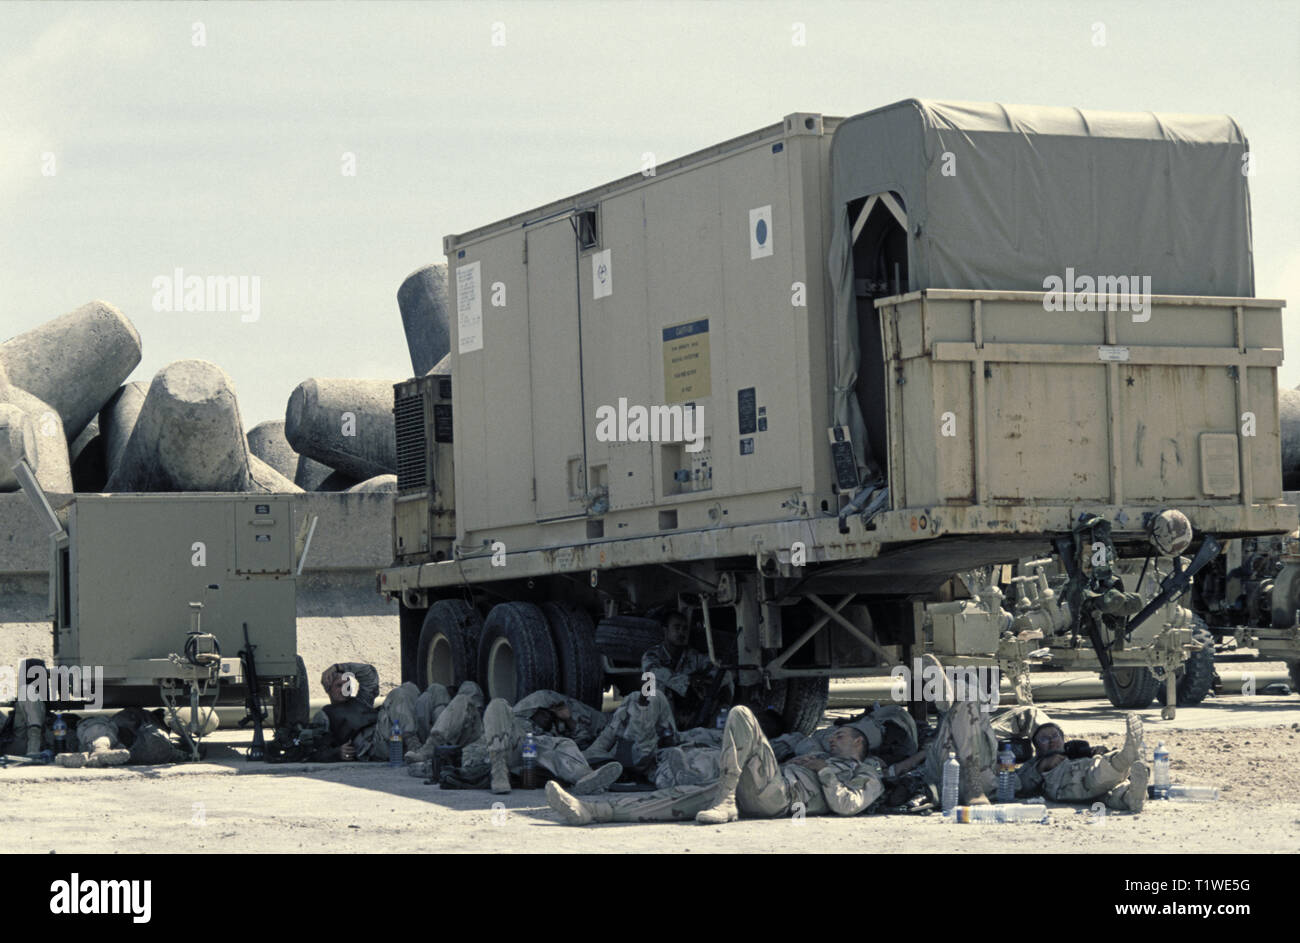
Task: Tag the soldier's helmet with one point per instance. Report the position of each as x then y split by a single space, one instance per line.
1171 532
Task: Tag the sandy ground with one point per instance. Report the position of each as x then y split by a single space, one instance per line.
1249 746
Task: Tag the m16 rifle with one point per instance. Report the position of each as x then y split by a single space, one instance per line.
253 700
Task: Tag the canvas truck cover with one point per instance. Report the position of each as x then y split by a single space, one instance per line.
999 197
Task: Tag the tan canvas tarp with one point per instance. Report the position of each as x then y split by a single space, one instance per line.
1004 196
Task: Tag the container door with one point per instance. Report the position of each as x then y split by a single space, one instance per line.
559 454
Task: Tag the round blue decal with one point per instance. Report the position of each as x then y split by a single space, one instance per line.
760 231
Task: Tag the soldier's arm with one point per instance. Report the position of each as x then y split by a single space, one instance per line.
849 797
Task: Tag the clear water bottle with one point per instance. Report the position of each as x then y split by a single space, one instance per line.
60 734
1160 771
395 746
721 720
951 782
999 813
1006 773
529 751
1192 793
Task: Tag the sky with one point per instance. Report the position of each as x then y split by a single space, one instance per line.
137 139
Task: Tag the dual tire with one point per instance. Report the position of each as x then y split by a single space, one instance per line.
518 649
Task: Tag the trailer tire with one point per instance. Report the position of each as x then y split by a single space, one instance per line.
448 649
295 698
581 673
515 654
624 639
802 702
1130 688
1196 680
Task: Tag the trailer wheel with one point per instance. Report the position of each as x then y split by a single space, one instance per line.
515 654
295 698
802 702
1196 678
1130 688
624 639
448 649
579 668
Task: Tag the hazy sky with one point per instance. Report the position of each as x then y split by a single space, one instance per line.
227 158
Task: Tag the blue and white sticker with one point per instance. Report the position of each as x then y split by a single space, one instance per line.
760 232
602 277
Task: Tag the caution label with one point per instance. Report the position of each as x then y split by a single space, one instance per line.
687 373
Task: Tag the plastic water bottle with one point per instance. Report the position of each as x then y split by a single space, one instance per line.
1006 773
529 752
1031 812
721 720
60 734
1160 771
395 746
1191 793
951 782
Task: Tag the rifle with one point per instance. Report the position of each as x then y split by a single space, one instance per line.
703 718
1176 583
253 700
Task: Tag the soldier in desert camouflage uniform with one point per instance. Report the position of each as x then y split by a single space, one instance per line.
1118 777
551 718
844 782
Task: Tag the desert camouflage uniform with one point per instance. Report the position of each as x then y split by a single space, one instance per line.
642 721
966 731
98 743
763 788
674 671
1105 776
583 727
357 721
504 731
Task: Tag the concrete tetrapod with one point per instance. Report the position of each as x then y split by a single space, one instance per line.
422 300
117 421
188 436
378 483
89 473
16 432
345 424
310 474
74 362
266 440
265 479
45 444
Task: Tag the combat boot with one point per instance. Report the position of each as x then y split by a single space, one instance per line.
101 759
1134 794
1131 750
598 780
423 753
500 773
70 760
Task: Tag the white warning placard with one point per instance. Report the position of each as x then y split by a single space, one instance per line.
602 276
469 308
760 232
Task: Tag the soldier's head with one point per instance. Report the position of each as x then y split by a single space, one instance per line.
849 743
342 686
1049 738
676 631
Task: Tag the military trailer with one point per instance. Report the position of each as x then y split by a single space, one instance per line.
157 597
791 383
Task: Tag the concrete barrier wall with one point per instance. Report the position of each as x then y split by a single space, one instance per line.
353 538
